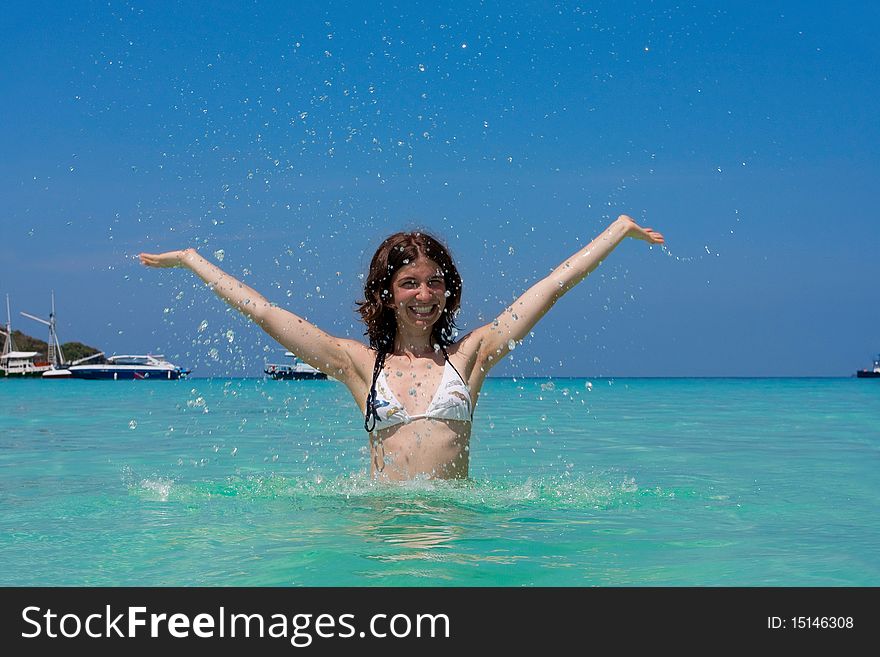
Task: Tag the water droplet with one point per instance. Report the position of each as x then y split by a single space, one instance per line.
203 326
133 425
511 344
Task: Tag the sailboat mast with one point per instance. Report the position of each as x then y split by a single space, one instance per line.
55 355
8 342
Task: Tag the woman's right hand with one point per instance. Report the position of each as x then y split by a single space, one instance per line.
167 259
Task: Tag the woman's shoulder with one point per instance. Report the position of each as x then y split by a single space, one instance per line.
361 359
466 356
358 351
479 347
466 347
471 341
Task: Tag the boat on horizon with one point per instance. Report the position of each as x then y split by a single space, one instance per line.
296 370
130 367
18 363
118 367
873 373
58 365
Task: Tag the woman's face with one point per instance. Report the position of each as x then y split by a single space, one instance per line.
418 292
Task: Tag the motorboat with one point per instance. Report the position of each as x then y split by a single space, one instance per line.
295 370
130 367
873 373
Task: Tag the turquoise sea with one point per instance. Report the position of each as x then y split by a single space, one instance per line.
574 482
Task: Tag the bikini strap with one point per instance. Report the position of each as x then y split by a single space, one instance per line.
446 356
371 413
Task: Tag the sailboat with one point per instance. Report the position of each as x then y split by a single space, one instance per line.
58 368
14 362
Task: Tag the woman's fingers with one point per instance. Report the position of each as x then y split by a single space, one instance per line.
650 235
169 259
654 237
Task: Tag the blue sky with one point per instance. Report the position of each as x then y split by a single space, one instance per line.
292 137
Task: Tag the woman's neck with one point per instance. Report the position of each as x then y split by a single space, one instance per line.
419 345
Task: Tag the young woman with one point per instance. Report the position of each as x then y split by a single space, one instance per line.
416 385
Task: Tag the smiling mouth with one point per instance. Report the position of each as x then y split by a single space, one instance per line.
422 312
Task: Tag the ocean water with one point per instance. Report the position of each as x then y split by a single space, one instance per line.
574 482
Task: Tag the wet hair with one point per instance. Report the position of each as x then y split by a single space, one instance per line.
376 310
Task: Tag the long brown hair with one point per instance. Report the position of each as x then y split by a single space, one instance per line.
395 252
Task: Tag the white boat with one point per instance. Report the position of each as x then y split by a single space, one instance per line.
296 370
18 363
21 363
873 373
130 367
57 373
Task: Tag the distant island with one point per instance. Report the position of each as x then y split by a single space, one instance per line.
72 350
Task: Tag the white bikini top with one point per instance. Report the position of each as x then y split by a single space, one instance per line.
452 401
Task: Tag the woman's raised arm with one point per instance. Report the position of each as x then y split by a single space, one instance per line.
329 354
521 316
